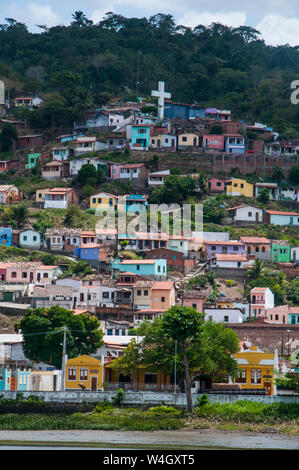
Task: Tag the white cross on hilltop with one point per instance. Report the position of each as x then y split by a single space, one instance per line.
162 94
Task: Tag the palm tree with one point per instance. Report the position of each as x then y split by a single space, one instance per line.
257 269
80 19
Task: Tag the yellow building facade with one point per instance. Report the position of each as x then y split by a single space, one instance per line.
238 187
84 370
103 200
257 370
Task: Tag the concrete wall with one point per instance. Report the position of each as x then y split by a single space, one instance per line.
148 398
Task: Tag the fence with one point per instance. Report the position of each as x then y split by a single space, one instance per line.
148 398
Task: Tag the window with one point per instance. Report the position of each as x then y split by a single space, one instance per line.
109 332
145 292
25 238
105 295
276 317
14 274
249 214
226 318
235 248
138 267
45 275
94 200
150 378
162 299
256 376
72 373
139 292
24 275
83 374
184 139
194 305
34 238
241 379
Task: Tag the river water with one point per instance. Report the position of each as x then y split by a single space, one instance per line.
182 439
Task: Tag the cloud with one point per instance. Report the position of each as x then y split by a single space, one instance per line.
34 14
98 14
277 30
192 18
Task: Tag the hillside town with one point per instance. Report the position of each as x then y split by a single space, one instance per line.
240 267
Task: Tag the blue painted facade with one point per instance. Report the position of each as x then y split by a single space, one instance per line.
67 138
5 376
293 318
87 253
6 236
135 203
158 267
30 239
140 135
235 144
21 379
184 111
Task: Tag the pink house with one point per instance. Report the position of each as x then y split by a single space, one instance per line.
216 185
278 314
30 272
195 299
261 300
214 142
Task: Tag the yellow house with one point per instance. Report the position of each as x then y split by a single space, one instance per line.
188 140
40 195
224 303
238 187
103 200
257 369
86 371
142 381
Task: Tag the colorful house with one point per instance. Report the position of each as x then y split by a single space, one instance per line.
33 160
281 218
273 188
280 252
213 142
152 268
234 143
216 185
257 370
245 214
195 299
293 316
261 299
135 202
30 239
60 198
163 295
140 136
103 201
230 248
5 236
167 141
188 139
238 187
85 371
15 378
258 247
9 193
55 170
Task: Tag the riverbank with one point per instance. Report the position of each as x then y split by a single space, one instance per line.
183 439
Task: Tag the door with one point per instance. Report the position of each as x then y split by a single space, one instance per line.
267 386
94 384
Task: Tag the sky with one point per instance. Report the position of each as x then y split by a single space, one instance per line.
277 20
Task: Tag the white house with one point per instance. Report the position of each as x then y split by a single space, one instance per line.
225 315
246 213
76 165
230 261
295 254
157 178
85 145
30 239
273 188
61 153
261 299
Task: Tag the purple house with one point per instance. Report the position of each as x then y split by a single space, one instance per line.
213 248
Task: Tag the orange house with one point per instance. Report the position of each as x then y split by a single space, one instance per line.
163 295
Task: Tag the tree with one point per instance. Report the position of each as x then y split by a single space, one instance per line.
264 196
294 175
212 211
277 174
72 214
87 175
7 136
202 347
42 330
20 214
257 269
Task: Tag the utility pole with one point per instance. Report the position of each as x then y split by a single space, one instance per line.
64 358
175 353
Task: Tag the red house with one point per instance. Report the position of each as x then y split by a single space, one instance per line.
214 142
216 185
27 141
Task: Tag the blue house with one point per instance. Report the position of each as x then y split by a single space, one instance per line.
67 138
140 135
180 110
135 203
234 143
12 378
6 236
93 253
293 317
152 268
5 378
30 239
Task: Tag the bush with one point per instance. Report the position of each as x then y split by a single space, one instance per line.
163 411
230 282
103 406
118 399
202 400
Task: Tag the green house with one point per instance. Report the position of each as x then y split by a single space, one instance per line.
280 253
32 160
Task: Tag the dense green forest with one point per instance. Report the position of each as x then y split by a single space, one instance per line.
81 65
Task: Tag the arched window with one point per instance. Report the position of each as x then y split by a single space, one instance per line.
14 274
24 275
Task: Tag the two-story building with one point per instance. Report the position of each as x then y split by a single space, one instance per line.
261 299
